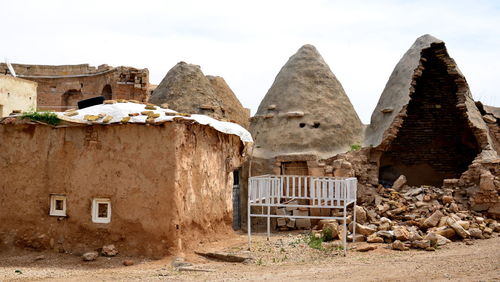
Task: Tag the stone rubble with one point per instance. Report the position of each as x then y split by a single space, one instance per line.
90 256
109 251
421 218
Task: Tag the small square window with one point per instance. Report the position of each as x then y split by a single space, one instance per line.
57 205
101 210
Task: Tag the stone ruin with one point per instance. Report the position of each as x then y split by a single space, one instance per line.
426 125
430 169
186 89
61 87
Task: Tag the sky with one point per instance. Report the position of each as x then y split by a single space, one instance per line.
247 42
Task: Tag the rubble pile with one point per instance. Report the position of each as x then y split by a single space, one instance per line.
422 217
285 224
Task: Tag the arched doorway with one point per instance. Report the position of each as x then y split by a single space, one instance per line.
107 92
71 97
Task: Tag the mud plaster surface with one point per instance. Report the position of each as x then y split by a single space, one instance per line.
167 184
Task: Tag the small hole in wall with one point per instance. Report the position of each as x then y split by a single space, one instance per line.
316 124
302 124
177 226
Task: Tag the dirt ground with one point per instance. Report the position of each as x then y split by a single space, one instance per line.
285 257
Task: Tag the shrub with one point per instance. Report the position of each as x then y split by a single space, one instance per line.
315 242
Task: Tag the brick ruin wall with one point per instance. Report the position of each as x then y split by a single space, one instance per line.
434 113
61 87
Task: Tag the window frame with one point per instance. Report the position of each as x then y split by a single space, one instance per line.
95 210
53 211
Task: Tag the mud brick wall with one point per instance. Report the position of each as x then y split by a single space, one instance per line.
169 186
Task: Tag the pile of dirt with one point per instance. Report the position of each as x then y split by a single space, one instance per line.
186 89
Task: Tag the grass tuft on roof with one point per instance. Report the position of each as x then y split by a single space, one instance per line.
45 117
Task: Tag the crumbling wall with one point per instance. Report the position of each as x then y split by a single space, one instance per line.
435 140
426 125
491 116
60 87
204 183
157 186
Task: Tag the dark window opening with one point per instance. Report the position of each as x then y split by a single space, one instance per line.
316 125
434 142
301 125
59 205
102 210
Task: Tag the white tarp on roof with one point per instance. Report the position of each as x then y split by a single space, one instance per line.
120 110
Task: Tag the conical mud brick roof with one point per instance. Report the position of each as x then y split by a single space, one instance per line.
305 111
186 89
233 108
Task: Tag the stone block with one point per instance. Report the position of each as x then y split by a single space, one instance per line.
303 223
300 213
433 220
399 183
281 221
281 211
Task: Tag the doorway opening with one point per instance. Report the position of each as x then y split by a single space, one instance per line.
107 93
71 97
236 200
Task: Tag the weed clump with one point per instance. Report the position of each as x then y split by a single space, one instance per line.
355 147
45 117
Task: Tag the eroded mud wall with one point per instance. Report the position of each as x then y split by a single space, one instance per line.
204 183
133 165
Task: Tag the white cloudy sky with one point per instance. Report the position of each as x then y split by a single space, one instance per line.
247 42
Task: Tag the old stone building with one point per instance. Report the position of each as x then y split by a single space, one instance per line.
186 89
61 87
151 184
16 94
